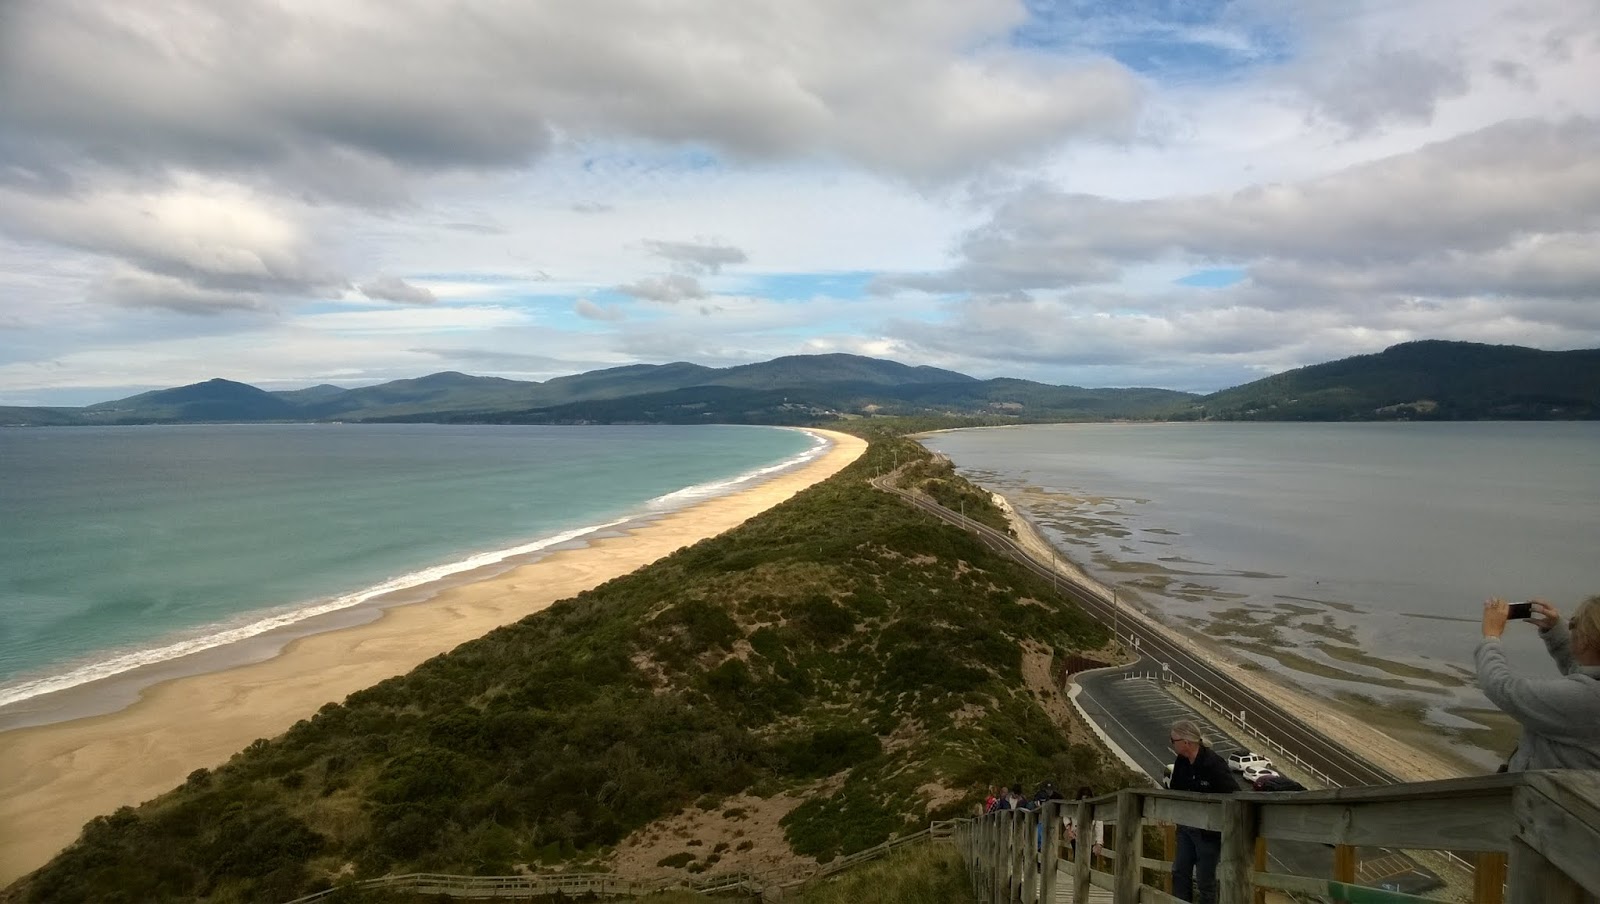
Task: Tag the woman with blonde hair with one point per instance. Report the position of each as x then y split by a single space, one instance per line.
1560 716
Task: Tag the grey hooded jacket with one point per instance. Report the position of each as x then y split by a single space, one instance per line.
1560 717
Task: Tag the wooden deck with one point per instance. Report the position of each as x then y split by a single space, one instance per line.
1063 893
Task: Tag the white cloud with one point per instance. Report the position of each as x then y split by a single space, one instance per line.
414 320
204 242
313 93
395 289
1388 85
1468 195
589 310
1563 265
135 288
672 288
1378 172
698 257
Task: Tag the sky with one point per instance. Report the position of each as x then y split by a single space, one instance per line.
1188 194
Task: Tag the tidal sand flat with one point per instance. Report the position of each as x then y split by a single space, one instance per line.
61 775
1343 558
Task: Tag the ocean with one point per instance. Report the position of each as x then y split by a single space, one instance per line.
1362 551
121 547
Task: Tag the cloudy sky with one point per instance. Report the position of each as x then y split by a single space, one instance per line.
1177 193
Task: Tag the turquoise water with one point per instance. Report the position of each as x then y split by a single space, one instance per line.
1383 539
122 546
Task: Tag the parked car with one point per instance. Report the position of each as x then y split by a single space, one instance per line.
1252 773
1276 783
1239 761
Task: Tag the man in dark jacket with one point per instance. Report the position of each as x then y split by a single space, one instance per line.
1197 768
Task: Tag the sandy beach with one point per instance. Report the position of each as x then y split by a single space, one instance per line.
57 777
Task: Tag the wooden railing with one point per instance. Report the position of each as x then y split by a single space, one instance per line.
772 885
597 884
1536 836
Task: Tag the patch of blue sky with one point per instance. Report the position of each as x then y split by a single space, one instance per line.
1163 39
849 284
313 305
643 160
1214 278
609 296
485 279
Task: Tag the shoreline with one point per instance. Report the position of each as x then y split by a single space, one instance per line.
112 679
65 773
1344 724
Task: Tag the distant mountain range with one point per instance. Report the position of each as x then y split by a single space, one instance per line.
1417 380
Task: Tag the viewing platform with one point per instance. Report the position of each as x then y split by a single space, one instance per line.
1519 838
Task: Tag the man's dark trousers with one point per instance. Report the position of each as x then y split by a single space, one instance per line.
1194 869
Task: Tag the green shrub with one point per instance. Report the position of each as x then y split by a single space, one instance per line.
828 750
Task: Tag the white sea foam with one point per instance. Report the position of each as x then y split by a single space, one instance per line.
232 632
720 487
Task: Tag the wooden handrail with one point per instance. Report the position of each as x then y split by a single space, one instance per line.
607 884
1538 830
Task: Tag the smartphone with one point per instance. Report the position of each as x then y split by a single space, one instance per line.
1520 610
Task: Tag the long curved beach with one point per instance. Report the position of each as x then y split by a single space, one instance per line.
59 776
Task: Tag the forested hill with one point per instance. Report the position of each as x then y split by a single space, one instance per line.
799 389
1428 380
1414 381
842 666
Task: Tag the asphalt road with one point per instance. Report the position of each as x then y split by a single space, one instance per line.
1344 767
1138 714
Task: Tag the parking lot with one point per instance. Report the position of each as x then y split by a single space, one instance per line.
1138 715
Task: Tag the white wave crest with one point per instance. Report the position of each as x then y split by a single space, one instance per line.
720 487
219 634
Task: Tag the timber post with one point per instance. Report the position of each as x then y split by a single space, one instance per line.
1538 881
1020 858
1130 844
1050 851
1169 837
1082 854
1489 878
1260 896
1344 863
1238 851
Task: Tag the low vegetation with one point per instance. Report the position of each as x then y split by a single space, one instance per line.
918 874
843 646
936 478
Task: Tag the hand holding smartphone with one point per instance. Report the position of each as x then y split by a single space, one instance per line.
1519 610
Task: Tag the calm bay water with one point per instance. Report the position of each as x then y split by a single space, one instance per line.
1332 541
123 546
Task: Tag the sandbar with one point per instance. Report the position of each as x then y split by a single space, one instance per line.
57 777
